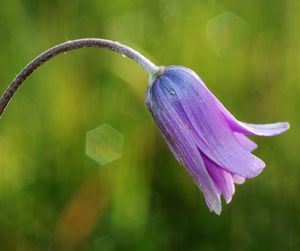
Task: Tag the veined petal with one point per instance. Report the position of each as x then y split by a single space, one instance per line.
160 101
242 127
218 141
252 129
245 142
223 179
203 135
260 129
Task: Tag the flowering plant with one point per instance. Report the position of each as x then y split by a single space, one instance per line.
202 134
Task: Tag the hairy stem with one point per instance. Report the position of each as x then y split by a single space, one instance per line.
151 68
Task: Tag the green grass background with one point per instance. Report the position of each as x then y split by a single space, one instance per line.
54 197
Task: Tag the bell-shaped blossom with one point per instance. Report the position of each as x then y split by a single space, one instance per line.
203 135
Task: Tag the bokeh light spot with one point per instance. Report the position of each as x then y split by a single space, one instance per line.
104 144
226 32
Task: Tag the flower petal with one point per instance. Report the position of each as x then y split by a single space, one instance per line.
238 179
259 129
217 139
222 179
242 127
246 143
160 102
253 129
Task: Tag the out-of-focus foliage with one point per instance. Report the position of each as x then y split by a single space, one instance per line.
54 197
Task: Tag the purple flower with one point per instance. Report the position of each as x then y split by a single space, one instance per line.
203 135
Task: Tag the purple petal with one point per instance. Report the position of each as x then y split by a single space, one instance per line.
218 141
253 129
245 142
222 179
161 102
238 179
242 127
260 129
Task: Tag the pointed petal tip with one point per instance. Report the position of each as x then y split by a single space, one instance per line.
217 211
282 127
286 125
257 167
215 205
246 143
228 197
228 200
265 129
260 165
238 179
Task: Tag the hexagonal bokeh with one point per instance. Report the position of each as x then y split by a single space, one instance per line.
226 31
104 144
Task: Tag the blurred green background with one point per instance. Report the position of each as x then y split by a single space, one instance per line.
55 196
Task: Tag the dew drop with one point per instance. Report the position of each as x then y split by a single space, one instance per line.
172 92
123 55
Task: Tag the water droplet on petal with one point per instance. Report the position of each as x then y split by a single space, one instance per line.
172 92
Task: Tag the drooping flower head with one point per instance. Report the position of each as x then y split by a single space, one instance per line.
203 135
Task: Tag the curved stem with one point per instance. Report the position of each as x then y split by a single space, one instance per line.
151 68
